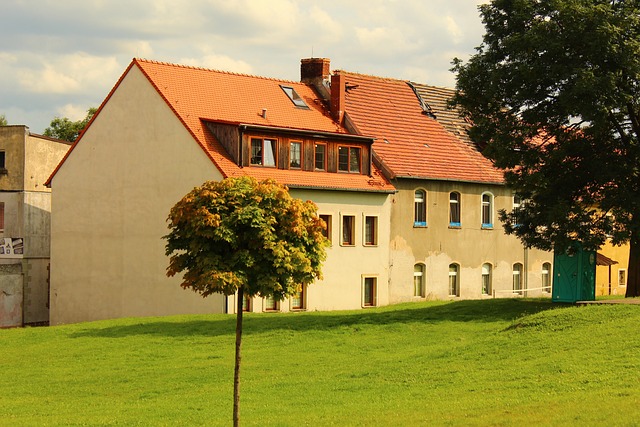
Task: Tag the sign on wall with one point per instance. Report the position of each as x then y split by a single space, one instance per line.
11 247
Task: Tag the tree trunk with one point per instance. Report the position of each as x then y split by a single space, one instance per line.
633 269
236 373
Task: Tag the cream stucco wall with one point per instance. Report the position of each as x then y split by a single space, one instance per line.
438 245
346 266
111 199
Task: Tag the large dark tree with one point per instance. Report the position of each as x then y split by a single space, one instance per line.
554 93
244 237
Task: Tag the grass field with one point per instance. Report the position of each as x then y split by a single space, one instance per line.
508 362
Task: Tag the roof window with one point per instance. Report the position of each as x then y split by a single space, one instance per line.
294 97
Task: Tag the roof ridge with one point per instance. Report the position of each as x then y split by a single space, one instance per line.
213 70
390 79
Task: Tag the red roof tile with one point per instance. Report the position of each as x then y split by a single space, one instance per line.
198 95
410 143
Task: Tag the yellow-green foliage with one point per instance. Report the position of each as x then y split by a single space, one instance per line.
239 232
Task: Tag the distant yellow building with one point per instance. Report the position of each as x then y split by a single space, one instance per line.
611 270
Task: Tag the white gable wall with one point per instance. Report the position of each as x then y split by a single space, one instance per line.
111 199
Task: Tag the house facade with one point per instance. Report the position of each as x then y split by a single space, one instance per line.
26 161
446 241
165 129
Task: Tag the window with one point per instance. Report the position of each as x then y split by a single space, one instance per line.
418 280
246 303
1 216
487 210
369 291
486 279
349 159
454 280
517 202
517 278
622 277
546 277
420 208
321 157
2 160
263 152
370 230
271 304
294 97
298 299
348 230
295 155
454 209
327 222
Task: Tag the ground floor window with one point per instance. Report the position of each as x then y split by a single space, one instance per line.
546 277
298 299
486 279
454 280
418 280
246 303
369 291
517 278
622 277
271 304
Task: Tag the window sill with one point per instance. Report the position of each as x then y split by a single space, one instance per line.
3 171
487 226
370 245
455 225
419 225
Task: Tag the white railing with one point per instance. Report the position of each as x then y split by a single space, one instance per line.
520 292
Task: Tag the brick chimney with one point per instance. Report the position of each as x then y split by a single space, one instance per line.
338 87
314 70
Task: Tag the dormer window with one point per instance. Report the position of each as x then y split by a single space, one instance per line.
294 97
263 152
349 159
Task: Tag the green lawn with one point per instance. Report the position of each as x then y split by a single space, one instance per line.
494 362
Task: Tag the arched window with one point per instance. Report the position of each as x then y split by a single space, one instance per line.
517 278
454 280
420 208
486 279
454 209
546 277
487 210
418 280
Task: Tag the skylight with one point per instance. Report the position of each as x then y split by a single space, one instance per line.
294 97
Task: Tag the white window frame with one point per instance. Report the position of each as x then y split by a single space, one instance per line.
486 224
520 281
624 272
488 272
455 274
422 275
458 203
546 273
419 208
303 298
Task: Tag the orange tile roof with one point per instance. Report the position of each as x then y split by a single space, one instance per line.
410 143
198 95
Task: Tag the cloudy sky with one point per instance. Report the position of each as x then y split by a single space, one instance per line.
60 57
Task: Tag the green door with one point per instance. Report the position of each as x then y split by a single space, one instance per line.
574 277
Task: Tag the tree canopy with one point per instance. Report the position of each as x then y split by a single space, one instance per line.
244 237
3 120
553 93
67 130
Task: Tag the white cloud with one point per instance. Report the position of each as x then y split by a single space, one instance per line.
70 74
453 29
73 112
219 62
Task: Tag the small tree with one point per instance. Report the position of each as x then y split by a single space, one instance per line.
244 237
67 130
3 120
